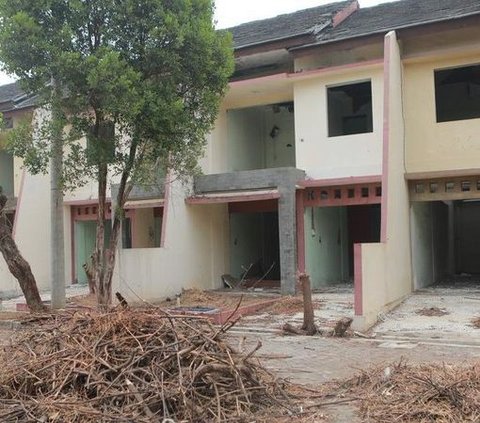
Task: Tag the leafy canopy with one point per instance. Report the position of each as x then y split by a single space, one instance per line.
156 69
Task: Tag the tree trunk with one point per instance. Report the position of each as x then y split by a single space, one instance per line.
308 314
104 259
57 267
17 265
104 297
123 192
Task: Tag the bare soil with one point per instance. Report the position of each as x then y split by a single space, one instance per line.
13 315
432 311
476 322
289 305
219 300
89 301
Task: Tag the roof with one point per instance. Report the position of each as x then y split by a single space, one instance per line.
397 15
302 22
9 91
12 97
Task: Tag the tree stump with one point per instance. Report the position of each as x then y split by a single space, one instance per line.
308 314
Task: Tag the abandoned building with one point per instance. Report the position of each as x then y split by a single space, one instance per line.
347 147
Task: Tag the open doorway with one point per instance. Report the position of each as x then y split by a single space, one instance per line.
330 236
445 242
255 247
261 137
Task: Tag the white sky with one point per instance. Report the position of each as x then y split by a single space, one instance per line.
234 12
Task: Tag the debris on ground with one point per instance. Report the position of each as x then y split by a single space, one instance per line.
220 300
308 327
476 322
342 326
83 301
432 311
422 393
289 305
13 315
135 366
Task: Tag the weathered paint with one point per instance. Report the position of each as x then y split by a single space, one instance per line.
324 157
386 266
358 279
431 146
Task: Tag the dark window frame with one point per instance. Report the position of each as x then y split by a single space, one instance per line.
354 123
455 77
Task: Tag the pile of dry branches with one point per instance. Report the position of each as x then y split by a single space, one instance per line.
133 366
426 393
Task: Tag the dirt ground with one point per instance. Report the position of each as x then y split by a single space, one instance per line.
12 315
432 326
214 299
313 361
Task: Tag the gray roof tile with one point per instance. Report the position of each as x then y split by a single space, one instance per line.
12 97
400 14
302 22
9 91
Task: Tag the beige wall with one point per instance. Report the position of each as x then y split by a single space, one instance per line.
324 157
338 57
195 253
432 146
387 267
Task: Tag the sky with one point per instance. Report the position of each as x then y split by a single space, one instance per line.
234 12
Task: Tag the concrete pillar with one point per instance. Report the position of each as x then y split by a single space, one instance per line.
451 238
287 236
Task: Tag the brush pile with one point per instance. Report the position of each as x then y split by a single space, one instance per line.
426 393
133 366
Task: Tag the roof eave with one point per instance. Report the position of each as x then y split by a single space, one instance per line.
382 31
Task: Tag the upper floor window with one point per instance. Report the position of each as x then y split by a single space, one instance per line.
350 109
457 93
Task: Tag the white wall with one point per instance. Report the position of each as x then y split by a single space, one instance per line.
422 237
324 157
387 267
195 253
245 141
249 145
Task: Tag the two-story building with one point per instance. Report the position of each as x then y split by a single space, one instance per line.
346 147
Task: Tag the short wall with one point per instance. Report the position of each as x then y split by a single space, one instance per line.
370 287
195 253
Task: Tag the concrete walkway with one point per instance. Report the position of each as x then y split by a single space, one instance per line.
460 305
71 291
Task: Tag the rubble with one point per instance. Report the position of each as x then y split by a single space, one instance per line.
432 311
476 322
423 393
134 366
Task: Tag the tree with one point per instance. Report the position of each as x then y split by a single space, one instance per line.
17 265
141 80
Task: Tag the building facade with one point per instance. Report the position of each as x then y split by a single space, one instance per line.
347 147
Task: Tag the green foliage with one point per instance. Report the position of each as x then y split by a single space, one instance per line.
156 69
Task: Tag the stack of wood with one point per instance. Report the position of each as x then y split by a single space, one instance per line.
133 366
